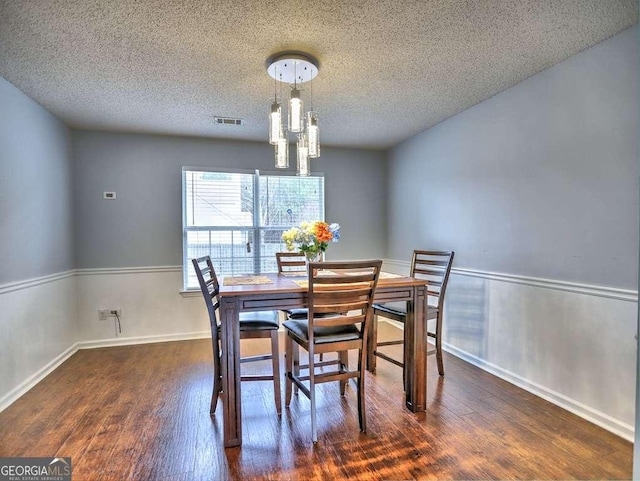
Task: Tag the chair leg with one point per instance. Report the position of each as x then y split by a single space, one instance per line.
217 381
296 364
312 399
439 344
344 366
362 415
373 344
217 387
288 369
405 356
275 362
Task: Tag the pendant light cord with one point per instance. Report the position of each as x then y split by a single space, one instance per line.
275 84
311 89
281 87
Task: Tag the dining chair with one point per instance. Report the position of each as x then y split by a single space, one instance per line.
293 263
434 267
253 325
345 289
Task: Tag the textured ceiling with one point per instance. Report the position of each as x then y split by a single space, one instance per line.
388 69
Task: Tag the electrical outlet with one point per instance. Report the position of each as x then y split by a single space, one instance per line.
105 314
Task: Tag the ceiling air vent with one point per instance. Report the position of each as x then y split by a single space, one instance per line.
228 121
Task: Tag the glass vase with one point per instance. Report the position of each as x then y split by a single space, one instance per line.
312 257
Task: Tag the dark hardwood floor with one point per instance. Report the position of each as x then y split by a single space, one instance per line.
141 413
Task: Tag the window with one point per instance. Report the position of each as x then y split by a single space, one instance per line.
238 218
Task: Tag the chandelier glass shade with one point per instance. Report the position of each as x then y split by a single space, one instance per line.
313 135
295 112
293 69
282 152
303 154
275 123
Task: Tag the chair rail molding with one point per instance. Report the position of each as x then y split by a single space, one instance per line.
127 270
36 281
589 289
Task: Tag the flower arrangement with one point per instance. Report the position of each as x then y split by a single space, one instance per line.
311 238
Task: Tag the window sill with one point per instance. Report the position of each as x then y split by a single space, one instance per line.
191 293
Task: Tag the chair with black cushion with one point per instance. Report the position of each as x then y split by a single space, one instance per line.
433 266
253 325
293 264
345 289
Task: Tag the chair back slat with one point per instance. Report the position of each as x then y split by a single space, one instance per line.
350 279
210 288
329 292
290 262
434 267
433 262
213 288
344 306
345 288
340 320
429 272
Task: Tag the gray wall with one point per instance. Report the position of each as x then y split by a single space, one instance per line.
35 189
540 180
142 226
37 319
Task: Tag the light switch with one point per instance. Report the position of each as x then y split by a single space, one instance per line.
108 195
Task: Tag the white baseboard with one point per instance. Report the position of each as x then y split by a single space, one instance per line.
596 417
396 324
129 341
22 388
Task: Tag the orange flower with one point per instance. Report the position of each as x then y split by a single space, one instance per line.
322 232
311 237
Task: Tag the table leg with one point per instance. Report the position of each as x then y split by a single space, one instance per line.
231 407
415 331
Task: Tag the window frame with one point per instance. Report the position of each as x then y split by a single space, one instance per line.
257 229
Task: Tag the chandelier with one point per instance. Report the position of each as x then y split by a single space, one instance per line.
292 69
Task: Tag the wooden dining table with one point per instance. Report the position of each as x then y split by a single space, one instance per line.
279 292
